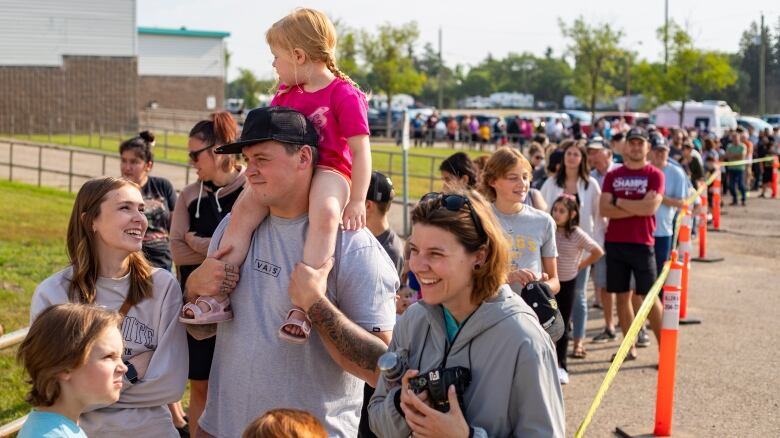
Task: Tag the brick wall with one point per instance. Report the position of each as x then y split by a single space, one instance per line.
85 90
183 93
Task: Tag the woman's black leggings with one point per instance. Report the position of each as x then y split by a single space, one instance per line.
565 300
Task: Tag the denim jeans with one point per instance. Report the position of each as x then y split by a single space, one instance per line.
736 180
579 314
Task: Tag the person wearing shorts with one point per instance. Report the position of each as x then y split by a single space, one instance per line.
631 194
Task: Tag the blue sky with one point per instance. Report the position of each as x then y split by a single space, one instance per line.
469 31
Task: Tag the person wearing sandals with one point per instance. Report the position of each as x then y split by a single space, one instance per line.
254 370
108 268
303 44
201 207
573 178
471 323
571 242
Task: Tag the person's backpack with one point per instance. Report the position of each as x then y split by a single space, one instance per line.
538 295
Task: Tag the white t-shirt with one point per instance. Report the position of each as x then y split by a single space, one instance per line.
254 371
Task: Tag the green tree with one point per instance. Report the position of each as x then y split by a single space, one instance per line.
689 69
595 51
247 87
390 67
348 53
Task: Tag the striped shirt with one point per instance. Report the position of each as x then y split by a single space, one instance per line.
570 250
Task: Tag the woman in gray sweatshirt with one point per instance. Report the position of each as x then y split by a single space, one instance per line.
105 235
468 324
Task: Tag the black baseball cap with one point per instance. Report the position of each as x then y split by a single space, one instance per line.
380 189
637 132
277 123
541 299
657 141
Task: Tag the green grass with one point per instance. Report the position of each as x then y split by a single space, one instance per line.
386 157
32 231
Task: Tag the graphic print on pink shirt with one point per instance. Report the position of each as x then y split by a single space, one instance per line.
318 119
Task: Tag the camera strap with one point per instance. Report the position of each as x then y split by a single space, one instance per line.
449 344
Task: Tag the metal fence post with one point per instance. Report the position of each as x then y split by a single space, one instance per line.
165 146
103 169
11 162
70 172
187 176
72 128
49 130
13 123
29 127
91 128
100 136
40 164
433 166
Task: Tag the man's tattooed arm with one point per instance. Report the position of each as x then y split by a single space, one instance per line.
352 347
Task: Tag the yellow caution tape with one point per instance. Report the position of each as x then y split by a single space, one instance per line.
741 162
638 322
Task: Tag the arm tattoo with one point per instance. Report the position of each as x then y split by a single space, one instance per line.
356 344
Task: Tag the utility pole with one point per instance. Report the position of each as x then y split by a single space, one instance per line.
666 34
441 67
762 70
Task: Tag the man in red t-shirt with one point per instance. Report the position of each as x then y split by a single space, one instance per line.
629 198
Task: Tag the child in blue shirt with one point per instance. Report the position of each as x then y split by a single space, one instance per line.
73 356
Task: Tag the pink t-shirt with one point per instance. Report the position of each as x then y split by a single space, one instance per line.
632 184
338 111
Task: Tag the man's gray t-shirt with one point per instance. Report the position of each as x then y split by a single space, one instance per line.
531 235
254 371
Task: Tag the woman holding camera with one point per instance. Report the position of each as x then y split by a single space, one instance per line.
470 329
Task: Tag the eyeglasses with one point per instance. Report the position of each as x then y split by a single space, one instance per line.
454 202
194 154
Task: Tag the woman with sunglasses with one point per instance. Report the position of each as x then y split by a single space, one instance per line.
202 206
459 254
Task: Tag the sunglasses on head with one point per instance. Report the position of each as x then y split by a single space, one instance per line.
194 154
453 202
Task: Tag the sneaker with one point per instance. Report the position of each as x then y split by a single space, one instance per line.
603 337
563 376
643 340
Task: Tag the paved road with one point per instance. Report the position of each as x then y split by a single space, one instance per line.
84 162
727 368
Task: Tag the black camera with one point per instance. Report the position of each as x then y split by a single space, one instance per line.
438 381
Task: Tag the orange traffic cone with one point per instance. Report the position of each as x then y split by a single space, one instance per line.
667 360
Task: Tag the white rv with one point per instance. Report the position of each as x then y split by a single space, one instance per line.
715 116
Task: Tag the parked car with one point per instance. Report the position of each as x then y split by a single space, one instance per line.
772 119
710 115
377 121
632 118
586 122
757 124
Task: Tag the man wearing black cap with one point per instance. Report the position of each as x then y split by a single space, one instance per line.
630 196
351 306
378 200
380 196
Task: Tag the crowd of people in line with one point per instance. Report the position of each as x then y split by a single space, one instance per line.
275 285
